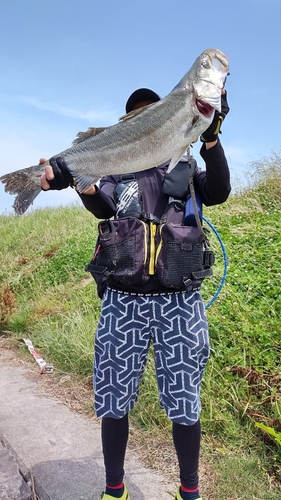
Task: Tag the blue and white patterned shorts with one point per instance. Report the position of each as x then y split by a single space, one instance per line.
177 326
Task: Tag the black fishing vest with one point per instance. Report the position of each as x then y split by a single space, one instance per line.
135 246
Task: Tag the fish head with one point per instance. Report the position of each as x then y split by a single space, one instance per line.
208 75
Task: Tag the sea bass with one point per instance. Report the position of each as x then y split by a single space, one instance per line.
141 139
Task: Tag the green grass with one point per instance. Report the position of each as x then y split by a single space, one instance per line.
43 295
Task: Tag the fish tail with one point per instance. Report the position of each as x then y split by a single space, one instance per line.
25 184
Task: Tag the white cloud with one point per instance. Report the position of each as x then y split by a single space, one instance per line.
237 155
238 160
104 116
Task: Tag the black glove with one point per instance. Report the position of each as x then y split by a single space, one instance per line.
63 178
211 134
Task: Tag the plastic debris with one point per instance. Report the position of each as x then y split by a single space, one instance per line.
44 367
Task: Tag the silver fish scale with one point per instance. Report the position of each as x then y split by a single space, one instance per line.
146 140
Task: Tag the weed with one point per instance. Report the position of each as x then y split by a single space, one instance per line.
7 304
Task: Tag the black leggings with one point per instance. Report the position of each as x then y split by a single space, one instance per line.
187 444
114 442
114 435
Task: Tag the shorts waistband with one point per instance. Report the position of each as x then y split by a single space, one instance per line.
150 294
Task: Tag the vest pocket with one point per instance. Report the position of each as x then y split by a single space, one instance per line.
122 251
179 254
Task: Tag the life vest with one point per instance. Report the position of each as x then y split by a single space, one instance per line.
135 246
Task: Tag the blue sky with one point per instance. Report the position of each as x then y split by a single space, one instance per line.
67 65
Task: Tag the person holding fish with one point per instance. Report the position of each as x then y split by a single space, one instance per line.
149 296
151 254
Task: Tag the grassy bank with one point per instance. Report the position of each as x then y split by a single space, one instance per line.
45 294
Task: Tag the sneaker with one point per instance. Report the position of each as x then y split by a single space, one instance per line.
179 497
125 495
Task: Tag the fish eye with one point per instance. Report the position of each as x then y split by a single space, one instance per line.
206 62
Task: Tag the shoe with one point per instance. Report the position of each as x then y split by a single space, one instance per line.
179 497
125 495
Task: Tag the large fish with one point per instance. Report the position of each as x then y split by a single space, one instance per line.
141 139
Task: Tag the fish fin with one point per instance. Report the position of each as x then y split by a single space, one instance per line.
81 136
176 158
133 113
23 184
83 182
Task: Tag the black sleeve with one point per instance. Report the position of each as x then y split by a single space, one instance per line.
213 184
102 203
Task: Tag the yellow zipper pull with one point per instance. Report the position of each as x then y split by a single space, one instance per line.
159 248
151 269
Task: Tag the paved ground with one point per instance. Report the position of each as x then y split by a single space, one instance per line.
43 442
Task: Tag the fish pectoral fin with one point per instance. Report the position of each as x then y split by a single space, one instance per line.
81 136
176 158
133 113
83 182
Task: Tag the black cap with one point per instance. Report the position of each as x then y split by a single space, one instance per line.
141 95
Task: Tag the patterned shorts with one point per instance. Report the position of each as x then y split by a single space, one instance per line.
176 324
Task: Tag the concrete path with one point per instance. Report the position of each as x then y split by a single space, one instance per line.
43 441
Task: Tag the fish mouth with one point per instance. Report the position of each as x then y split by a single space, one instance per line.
204 108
